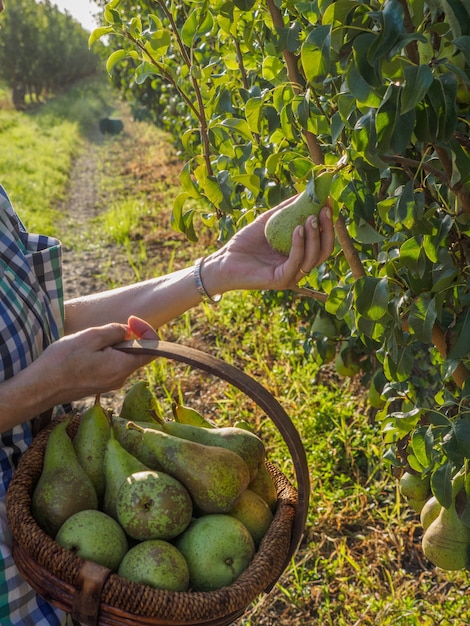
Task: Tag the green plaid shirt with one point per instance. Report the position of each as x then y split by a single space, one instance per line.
31 317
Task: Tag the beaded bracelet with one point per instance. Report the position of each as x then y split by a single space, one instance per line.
200 285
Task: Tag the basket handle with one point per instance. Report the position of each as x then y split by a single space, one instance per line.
254 390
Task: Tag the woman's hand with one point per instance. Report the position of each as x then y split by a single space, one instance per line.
74 367
247 261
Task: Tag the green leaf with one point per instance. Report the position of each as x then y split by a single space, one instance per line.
441 484
98 33
369 71
114 58
422 317
391 23
418 79
339 302
413 257
394 130
315 54
238 125
183 222
360 88
442 97
198 23
399 368
254 113
145 70
273 69
371 297
461 348
187 182
422 441
160 41
463 44
244 5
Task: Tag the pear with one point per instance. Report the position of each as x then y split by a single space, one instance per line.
131 440
281 225
139 404
119 464
187 415
446 541
215 477
414 486
90 443
246 444
430 512
63 487
254 513
264 486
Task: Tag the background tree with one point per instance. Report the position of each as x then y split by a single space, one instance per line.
42 50
260 95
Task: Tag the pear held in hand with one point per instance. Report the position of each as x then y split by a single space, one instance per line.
281 225
63 487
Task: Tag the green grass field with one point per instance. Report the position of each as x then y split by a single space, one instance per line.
360 562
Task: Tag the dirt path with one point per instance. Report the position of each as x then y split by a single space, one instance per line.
85 262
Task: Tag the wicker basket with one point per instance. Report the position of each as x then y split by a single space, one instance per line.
95 596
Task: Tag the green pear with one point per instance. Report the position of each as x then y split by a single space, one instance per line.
246 444
131 440
156 563
345 362
118 465
446 541
90 443
215 477
153 505
414 486
139 405
187 415
63 487
217 549
254 513
430 512
94 536
281 225
264 486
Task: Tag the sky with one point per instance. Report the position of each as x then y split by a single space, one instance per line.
81 10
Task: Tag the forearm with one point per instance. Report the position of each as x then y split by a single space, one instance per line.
25 396
157 301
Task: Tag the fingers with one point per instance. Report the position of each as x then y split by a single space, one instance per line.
327 239
313 244
140 328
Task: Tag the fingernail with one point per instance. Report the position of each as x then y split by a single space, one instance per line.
328 213
314 222
301 231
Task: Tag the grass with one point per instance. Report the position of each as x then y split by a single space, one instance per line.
37 149
360 562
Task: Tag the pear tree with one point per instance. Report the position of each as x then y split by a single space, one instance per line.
261 95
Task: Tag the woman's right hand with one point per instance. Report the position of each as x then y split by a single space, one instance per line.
74 367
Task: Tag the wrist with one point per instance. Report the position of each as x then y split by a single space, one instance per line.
207 296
